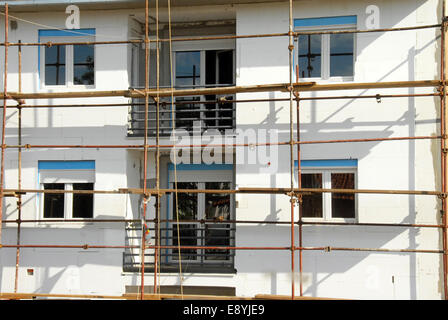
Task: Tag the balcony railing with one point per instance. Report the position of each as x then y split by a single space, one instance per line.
189 113
204 234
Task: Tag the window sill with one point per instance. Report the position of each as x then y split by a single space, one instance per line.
329 80
64 88
189 269
329 221
59 223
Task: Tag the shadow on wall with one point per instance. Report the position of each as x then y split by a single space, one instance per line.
65 270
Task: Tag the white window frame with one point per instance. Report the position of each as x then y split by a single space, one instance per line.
69 62
200 177
325 53
326 196
68 201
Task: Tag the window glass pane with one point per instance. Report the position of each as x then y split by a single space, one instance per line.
341 55
188 202
82 203
55 65
188 237
83 64
310 51
188 68
187 210
217 207
53 202
312 203
343 204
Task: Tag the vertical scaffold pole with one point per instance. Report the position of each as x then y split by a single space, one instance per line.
291 145
443 143
145 153
19 173
5 88
157 218
299 185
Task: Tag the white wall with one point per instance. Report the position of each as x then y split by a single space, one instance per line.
382 165
58 270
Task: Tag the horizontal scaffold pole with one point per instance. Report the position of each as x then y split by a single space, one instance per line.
221 100
216 221
260 248
12 192
282 143
282 87
223 37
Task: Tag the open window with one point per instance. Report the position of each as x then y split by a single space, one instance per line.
196 65
204 69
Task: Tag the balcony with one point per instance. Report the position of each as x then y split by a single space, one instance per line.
193 68
186 113
200 233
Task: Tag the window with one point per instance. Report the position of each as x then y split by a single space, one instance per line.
201 69
329 174
328 55
67 65
67 175
198 65
194 207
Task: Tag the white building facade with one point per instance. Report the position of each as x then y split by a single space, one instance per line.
325 59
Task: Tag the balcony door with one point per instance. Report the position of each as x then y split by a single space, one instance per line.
196 69
202 217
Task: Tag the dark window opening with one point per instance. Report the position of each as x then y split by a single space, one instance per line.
312 203
188 202
54 202
217 207
219 72
82 203
187 232
343 204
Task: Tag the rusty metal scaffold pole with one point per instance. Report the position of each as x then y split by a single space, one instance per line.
291 144
19 171
145 154
443 147
5 92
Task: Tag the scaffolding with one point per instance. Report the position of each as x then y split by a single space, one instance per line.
293 87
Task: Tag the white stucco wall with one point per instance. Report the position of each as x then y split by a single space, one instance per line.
404 165
58 270
414 165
